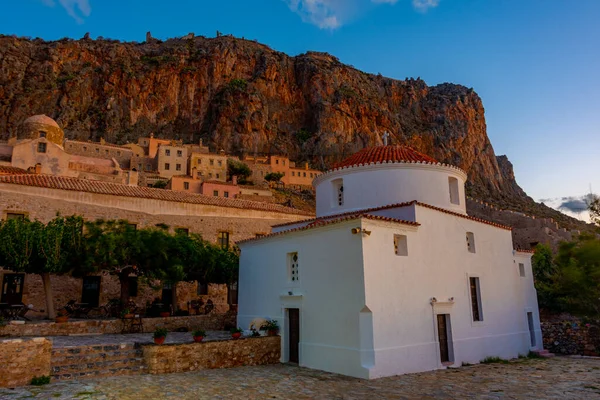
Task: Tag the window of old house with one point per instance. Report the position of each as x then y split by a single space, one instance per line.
277 162
217 176
179 153
202 289
220 163
182 231
178 167
210 175
97 150
225 194
167 152
522 270
293 173
475 292
400 245
41 147
140 167
471 242
453 187
167 166
223 240
338 192
215 193
43 134
304 174
19 216
293 267
84 148
212 162
186 185
148 167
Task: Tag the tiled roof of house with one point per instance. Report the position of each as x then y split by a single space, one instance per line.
41 119
114 189
524 251
323 222
213 182
380 154
398 205
8 170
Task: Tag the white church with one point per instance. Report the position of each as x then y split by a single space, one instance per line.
392 276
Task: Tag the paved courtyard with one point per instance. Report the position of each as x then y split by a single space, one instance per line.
558 378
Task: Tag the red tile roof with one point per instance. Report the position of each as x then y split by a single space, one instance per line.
213 182
398 205
8 170
380 154
524 251
323 222
114 189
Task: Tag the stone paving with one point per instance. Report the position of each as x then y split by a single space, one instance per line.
130 338
557 378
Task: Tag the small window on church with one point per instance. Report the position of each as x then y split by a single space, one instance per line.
471 242
400 245
41 147
475 290
42 134
293 267
338 192
453 186
522 270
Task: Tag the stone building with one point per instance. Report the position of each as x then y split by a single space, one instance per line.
292 175
41 126
101 150
209 166
218 220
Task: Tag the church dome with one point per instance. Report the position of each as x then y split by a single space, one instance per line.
381 154
384 175
41 126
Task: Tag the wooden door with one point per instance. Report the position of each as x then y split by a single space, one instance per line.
90 292
294 334
443 337
12 288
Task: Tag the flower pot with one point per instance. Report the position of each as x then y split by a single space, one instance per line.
159 340
236 335
165 314
272 332
198 339
61 319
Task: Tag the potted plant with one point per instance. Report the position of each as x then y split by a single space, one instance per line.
236 333
126 313
272 327
165 313
160 334
61 317
198 335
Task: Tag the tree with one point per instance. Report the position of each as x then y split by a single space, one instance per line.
239 169
594 209
543 275
274 176
160 184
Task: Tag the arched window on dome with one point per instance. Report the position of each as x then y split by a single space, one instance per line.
454 193
338 192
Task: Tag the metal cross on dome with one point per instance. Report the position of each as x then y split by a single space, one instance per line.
385 137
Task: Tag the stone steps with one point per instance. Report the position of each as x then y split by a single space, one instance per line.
80 362
544 353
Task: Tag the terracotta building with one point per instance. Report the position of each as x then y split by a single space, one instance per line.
292 175
209 166
218 220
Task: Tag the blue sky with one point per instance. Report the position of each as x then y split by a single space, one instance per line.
535 63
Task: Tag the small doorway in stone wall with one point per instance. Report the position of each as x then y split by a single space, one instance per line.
445 339
293 335
12 288
90 291
167 296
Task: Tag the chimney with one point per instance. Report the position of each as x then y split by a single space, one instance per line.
234 179
194 173
306 166
151 135
222 152
38 169
200 142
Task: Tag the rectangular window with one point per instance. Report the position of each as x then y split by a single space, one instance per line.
304 174
132 226
186 185
531 328
522 270
212 162
43 134
293 270
220 163
178 167
148 167
167 152
106 151
475 299
198 175
182 231
133 286
223 240
453 187
215 193
15 216
338 192
167 166
277 162
210 175
471 242
97 150
202 289
293 173
400 245
217 176
225 194
84 148
179 153
41 147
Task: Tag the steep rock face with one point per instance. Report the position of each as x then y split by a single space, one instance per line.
243 97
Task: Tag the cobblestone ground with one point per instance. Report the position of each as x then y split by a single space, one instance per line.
558 378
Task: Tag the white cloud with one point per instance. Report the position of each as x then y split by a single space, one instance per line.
78 9
331 14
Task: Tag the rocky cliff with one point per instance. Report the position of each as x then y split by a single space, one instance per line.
244 97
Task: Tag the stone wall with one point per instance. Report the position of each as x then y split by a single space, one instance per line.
66 288
100 150
172 358
23 359
571 337
212 322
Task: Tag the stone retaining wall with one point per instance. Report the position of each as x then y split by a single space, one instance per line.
571 337
172 358
214 322
23 359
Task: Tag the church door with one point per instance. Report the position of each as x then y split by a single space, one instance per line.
294 334
443 337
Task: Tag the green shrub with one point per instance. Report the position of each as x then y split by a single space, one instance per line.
40 380
198 332
494 360
273 176
237 85
160 333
